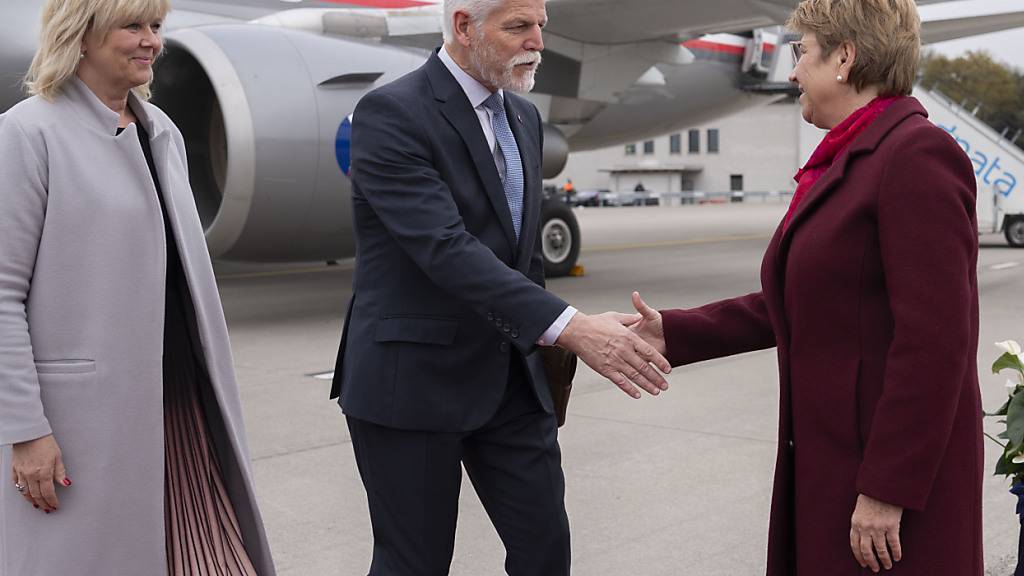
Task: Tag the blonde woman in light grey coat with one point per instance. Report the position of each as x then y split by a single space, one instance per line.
120 420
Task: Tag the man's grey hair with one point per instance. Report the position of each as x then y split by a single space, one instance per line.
478 11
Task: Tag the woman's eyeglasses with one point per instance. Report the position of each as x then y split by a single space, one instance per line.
797 46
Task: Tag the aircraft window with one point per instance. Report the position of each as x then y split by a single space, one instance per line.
713 141
694 141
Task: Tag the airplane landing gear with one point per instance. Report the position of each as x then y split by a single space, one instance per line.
560 238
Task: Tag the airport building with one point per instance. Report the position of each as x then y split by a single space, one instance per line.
755 151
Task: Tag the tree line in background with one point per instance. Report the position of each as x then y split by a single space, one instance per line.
978 82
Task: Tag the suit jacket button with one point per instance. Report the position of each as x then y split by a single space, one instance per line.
503 346
790 444
515 333
506 328
490 316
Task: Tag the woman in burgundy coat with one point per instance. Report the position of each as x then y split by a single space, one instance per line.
869 294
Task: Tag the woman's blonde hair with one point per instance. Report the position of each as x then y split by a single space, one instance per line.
887 34
64 26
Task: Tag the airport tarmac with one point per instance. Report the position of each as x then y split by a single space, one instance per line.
668 486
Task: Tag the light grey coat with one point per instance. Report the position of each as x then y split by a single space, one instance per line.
82 276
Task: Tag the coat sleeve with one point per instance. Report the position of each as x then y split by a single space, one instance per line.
718 329
394 170
23 182
929 246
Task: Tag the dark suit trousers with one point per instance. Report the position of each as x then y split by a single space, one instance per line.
412 482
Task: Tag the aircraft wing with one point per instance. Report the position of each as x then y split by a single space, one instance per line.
255 9
594 22
618 22
584 21
953 28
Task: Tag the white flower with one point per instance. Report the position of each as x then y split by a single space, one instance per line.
1018 459
1010 346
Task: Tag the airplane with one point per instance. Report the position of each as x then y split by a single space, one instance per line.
263 91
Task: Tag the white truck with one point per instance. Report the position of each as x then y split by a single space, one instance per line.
998 165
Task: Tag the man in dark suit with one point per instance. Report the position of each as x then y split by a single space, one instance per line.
437 367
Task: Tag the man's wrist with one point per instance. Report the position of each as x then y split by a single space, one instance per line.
554 332
569 335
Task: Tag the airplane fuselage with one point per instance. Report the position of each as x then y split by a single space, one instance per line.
265 111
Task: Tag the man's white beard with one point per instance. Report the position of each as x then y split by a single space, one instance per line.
483 58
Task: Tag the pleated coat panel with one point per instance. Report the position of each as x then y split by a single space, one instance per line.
82 280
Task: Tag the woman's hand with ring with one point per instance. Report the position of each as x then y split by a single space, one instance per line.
35 466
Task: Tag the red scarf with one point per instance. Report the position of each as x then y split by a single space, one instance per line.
834 143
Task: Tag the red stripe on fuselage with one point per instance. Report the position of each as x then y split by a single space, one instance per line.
714 47
730 49
386 4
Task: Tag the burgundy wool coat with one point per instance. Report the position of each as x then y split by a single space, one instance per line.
871 298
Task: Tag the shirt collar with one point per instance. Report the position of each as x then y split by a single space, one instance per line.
475 91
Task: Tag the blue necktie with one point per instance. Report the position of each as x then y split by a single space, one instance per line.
512 179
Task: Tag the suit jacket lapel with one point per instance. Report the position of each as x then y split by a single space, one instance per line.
531 180
457 110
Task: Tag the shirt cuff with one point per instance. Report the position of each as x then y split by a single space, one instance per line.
550 336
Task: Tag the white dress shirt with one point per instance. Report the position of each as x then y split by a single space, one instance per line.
477 93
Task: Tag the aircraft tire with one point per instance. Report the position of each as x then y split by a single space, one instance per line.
559 237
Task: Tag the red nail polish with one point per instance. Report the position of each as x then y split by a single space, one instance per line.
36 506
67 482
47 511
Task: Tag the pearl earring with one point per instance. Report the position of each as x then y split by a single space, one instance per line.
839 78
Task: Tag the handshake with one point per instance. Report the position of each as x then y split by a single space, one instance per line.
627 349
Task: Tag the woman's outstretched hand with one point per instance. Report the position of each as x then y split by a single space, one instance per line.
649 328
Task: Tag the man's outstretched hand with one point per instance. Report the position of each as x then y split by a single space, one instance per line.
606 344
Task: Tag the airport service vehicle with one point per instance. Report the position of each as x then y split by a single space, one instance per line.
998 165
263 91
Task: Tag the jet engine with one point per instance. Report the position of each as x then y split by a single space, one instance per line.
264 112
266 115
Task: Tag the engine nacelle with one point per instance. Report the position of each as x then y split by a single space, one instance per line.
266 113
263 112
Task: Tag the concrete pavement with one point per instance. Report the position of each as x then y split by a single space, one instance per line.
674 485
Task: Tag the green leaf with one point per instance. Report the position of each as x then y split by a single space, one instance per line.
1015 420
1007 362
1004 467
1000 467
